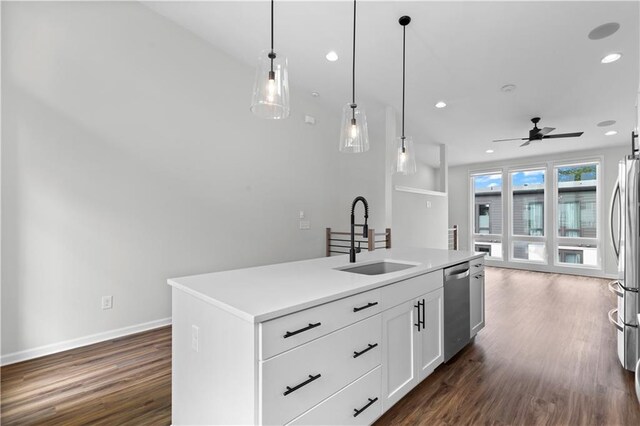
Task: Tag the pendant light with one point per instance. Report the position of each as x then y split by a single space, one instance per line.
271 86
406 161
354 137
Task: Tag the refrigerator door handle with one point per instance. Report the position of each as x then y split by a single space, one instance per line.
614 287
615 242
613 315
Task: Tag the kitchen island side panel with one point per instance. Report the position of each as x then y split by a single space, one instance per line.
213 367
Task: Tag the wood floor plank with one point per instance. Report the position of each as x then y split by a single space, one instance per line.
547 356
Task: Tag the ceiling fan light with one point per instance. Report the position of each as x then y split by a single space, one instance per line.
611 57
611 133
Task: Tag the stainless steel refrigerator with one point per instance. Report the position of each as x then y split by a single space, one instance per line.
625 235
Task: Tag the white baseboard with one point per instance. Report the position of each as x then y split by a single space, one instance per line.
82 341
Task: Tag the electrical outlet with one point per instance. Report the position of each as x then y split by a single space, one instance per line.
428 204
304 224
195 331
107 302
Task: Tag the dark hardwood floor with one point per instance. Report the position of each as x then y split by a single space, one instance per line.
125 381
546 356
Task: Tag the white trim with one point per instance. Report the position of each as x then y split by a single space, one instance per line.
540 267
81 341
419 191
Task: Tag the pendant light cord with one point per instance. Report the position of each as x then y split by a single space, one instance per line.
353 68
404 34
272 55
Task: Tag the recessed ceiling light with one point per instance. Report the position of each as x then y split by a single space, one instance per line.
611 133
332 56
441 104
611 57
508 88
489 151
606 123
604 30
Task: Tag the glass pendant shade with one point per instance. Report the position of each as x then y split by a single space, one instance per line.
406 159
354 137
271 87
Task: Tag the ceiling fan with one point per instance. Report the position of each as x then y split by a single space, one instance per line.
537 134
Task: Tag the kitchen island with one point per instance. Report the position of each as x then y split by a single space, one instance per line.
308 342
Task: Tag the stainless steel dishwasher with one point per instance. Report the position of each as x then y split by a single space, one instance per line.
457 324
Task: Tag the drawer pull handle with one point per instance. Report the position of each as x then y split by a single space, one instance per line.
309 327
478 276
477 265
306 382
357 412
368 305
357 354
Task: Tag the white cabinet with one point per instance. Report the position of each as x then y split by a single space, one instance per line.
412 344
476 300
399 372
343 362
431 338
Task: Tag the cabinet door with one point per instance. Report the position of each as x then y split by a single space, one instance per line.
400 352
476 298
431 339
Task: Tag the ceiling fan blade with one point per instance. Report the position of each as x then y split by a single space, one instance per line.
564 135
546 130
514 139
525 144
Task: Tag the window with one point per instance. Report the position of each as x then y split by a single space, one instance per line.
487 214
577 206
577 214
527 215
550 214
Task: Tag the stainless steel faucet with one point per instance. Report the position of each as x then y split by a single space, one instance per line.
365 228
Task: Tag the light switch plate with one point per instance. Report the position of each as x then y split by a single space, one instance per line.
304 224
107 302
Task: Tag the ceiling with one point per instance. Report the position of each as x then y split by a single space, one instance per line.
459 52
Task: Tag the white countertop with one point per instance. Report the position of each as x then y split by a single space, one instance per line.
265 292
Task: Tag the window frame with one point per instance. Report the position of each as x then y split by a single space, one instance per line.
485 238
515 238
552 241
578 242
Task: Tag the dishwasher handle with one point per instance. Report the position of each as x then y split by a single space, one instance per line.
456 275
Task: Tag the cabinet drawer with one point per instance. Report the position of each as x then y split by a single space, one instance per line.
340 409
399 292
312 372
476 265
284 333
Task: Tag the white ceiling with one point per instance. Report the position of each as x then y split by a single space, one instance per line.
459 52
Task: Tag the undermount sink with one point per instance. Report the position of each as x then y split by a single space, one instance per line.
377 268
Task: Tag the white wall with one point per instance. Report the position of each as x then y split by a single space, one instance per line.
417 220
459 210
129 156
